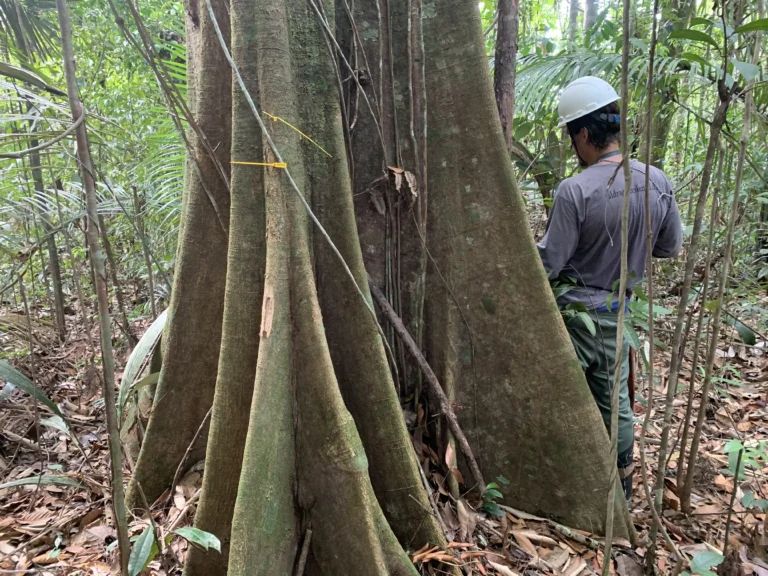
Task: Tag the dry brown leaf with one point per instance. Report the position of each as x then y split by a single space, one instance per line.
557 558
576 567
449 454
709 509
467 519
525 543
503 570
537 538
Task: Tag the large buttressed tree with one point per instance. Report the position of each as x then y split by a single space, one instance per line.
273 335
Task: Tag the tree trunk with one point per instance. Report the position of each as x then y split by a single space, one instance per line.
490 312
504 67
53 253
573 20
590 16
192 338
306 429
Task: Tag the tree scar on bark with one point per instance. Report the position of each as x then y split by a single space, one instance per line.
267 312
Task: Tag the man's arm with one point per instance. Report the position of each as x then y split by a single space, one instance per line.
670 239
562 236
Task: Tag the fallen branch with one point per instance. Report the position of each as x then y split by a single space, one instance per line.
569 533
437 389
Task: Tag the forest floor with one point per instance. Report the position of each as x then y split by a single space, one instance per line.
67 527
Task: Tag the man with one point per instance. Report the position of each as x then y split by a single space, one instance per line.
583 242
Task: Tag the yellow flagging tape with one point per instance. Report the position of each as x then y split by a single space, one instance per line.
292 127
272 164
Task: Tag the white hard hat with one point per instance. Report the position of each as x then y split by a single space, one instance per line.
582 96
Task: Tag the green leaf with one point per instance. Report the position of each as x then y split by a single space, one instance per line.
698 21
747 335
703 561
733 445
748 499
493 509
637 43
748 70
502 480
691 57
712 305
587 319
199 537
17 379
632 336
492 494
140 359
60 480
492 485
755 25
141 553
695 35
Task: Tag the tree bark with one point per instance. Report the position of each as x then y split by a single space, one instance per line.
590 16
490 314
191 342
573 20
504 66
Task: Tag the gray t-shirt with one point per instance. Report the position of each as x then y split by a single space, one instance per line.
583 237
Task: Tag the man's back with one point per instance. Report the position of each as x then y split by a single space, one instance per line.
583 238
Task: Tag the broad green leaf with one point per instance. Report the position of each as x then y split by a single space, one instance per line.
492 493
17 379
698 21
587 319
632 336
141 553
748 499
139 359
691 57
733 445
695 35
637 43
199 537
146 381
704 561
746 333
502 480
755 25
60 480
747 69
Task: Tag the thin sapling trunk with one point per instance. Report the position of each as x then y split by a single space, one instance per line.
97 257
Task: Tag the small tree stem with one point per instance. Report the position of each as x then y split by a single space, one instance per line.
97 259
437 389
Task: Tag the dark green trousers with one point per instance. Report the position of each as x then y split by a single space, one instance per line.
597 356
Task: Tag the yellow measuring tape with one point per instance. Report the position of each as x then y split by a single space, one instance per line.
271 164
292 127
